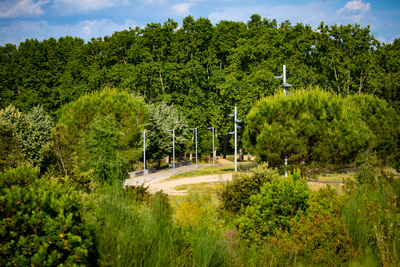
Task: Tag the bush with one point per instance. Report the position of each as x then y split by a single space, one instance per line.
41 222
235 195
272 209
317 238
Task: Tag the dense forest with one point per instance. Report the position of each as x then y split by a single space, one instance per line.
203 69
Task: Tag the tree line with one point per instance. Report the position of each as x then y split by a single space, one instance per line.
201 68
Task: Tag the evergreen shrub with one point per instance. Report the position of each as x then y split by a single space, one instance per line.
235 194
273 208
41 222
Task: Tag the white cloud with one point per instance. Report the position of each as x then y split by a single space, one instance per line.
355 10
183 9
24 8
312 13
355 6
87 5
87 29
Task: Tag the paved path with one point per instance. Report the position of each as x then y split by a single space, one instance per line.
156 182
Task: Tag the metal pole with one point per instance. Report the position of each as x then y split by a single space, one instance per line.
235 139
284 79
285 166
196 146
173 148
144 155
212 128
195 132
213 145
235 133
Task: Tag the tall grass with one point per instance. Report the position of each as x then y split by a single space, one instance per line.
372 216
130 233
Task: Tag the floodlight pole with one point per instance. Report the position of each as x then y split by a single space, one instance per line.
173 149
144 154
195 132
235 133
212 128
284 85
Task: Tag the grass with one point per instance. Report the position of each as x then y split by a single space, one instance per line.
229 168
339 175
200 187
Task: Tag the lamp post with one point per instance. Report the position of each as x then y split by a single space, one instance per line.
235 133
212 128
284 85
195 132
173 149
144 154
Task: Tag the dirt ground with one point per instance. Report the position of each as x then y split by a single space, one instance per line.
168 186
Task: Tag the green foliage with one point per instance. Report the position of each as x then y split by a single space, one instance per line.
138 193
273 208
32 131
201 68
371 214
10 154
101 145
41 222
235 194
319 235
318 238
163 118
133 233
308 127
99 131
383 122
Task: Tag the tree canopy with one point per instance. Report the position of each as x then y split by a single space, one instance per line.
311 127
204 70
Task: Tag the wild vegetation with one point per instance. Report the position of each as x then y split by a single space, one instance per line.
72 113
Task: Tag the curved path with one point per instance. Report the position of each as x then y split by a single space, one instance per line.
157 181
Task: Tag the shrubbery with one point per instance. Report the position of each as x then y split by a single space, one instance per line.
273 208
235 194
41 222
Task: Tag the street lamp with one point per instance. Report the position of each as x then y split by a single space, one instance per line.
144 154
195 132
235 133
212 128
173 149
284 85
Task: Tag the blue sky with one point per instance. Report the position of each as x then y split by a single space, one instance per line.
42 19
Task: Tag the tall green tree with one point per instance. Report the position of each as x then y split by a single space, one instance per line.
310 127
158 139
85 118
32 131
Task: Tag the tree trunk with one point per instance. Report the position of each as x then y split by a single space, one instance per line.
225 145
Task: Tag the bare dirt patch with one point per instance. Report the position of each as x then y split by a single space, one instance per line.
168 186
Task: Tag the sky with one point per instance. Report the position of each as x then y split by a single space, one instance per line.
87 19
